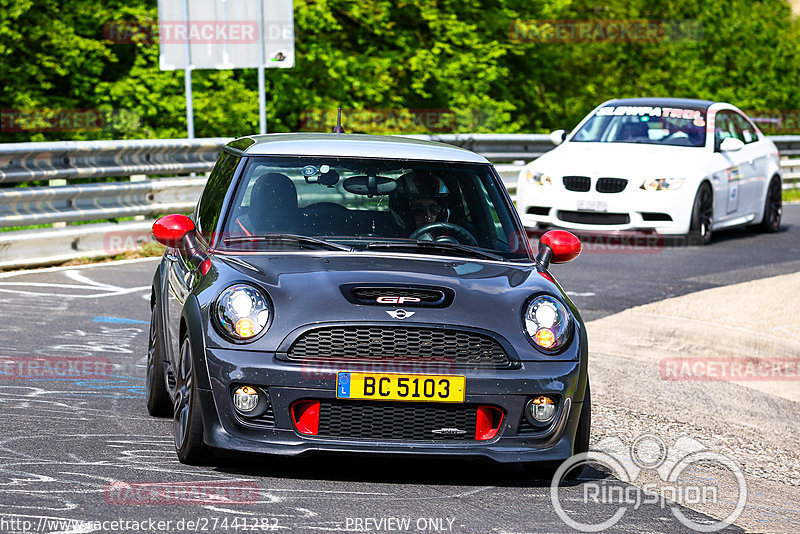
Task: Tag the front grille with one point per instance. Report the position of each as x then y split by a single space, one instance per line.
402 345
370 294
611 185
397 421
582 217
577 183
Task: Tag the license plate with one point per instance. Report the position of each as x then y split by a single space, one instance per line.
399 387
592 205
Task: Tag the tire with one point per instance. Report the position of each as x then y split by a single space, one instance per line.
546 470
773 208
158 401
702 216
188 418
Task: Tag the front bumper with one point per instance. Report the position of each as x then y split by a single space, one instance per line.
665 212
286 383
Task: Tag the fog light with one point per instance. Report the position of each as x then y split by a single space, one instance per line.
542 409
245 399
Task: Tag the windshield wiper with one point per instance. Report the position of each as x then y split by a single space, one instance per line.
302 240
436 245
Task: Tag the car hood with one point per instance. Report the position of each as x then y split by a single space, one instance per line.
621 160
308 289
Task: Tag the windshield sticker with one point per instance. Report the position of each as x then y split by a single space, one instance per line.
696 116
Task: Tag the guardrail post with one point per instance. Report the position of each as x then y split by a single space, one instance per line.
138 178
55 183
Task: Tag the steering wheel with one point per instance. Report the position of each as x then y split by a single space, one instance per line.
462 233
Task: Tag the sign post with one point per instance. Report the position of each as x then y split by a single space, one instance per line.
226 34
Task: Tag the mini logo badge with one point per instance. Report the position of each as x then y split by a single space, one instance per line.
449 432
400 314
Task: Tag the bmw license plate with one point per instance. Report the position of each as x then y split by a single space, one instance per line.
400 387
592 205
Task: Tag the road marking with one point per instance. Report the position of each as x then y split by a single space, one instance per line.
576 294
75 267
104 290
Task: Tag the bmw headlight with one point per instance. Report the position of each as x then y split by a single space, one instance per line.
548 323
537 178
662 184
242 312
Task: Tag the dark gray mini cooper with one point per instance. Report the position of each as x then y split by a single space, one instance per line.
364 294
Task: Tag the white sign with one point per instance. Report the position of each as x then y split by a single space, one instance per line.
224 34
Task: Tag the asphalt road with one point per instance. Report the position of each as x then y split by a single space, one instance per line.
67 444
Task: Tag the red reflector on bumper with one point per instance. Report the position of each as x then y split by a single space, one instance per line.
487 422
305 415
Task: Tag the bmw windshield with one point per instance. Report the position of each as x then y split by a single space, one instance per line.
327 203
650 125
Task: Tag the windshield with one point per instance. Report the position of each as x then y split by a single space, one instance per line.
645 124
369 204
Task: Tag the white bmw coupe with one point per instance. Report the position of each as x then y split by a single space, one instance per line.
673 166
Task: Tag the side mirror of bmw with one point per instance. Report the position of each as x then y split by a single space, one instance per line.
557 136
171 230
558 246
731 144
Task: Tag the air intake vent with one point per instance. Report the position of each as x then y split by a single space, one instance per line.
397 421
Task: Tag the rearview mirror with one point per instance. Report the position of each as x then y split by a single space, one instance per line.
557 136
369 185
731 144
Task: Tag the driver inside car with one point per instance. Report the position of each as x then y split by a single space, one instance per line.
422 201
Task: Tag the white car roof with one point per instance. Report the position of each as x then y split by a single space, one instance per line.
352 145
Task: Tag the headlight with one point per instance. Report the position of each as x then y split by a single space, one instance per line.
548 323
537 178
662 184
242 312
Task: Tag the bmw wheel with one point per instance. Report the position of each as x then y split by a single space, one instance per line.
773 207
158 403
702 216
188 420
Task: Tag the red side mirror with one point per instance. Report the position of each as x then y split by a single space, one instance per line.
565 246
171 229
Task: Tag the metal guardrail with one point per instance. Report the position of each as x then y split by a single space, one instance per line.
69 160
75 202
